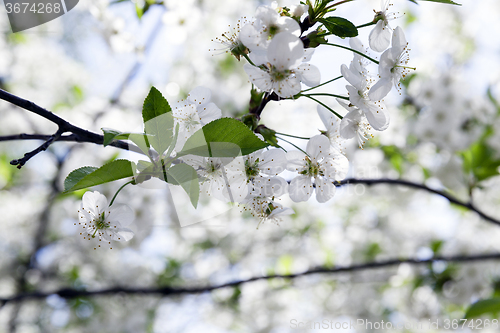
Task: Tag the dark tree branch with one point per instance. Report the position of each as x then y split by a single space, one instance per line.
78 134
266 99
452 199
169 291
20 162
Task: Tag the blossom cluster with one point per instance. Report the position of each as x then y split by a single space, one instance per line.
254 180
278 53
278 44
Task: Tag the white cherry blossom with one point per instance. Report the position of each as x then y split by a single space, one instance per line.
392 67
285 69
375 111
332 125
193 113
231 41
257 35
380 36
354 124
359 63
102 221
259 176
266 209
219 177
321 163
298 10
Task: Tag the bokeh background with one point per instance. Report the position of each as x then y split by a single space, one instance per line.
95 65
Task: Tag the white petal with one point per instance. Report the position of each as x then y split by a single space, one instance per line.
269 186
345 105
330 120
308 53
380 89
217 188
378 117
318 146
125 234
83 215
308 74
353 78
298 10
296 160
199 95
252 38
95 202
398 42
325 190
386 64
281 211
267 15
380 37
259 56
349 124
238 188
336 167
300 188
288 24
208 113
119 215
288 87
285 51
354 96
258 77
273 162
356 44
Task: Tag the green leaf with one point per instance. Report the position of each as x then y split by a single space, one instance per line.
76 175
186 176
441 1
158 120
141 140
485 306
480 161
340 26
225 137
91 176
154 105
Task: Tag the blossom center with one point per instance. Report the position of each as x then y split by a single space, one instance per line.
312 169
277 75
251 168
100 224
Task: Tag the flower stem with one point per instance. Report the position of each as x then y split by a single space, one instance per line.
114 197
322 84
366 25
293 136
248 59
337 3
293 145
324 105
355 51
325 94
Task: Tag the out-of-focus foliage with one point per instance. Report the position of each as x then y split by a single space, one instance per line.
445 132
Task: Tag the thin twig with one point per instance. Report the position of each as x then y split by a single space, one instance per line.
452 199
22 161
79 134
170 291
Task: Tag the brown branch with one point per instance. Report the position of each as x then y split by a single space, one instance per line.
170 291
20 162
452 199
78 134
